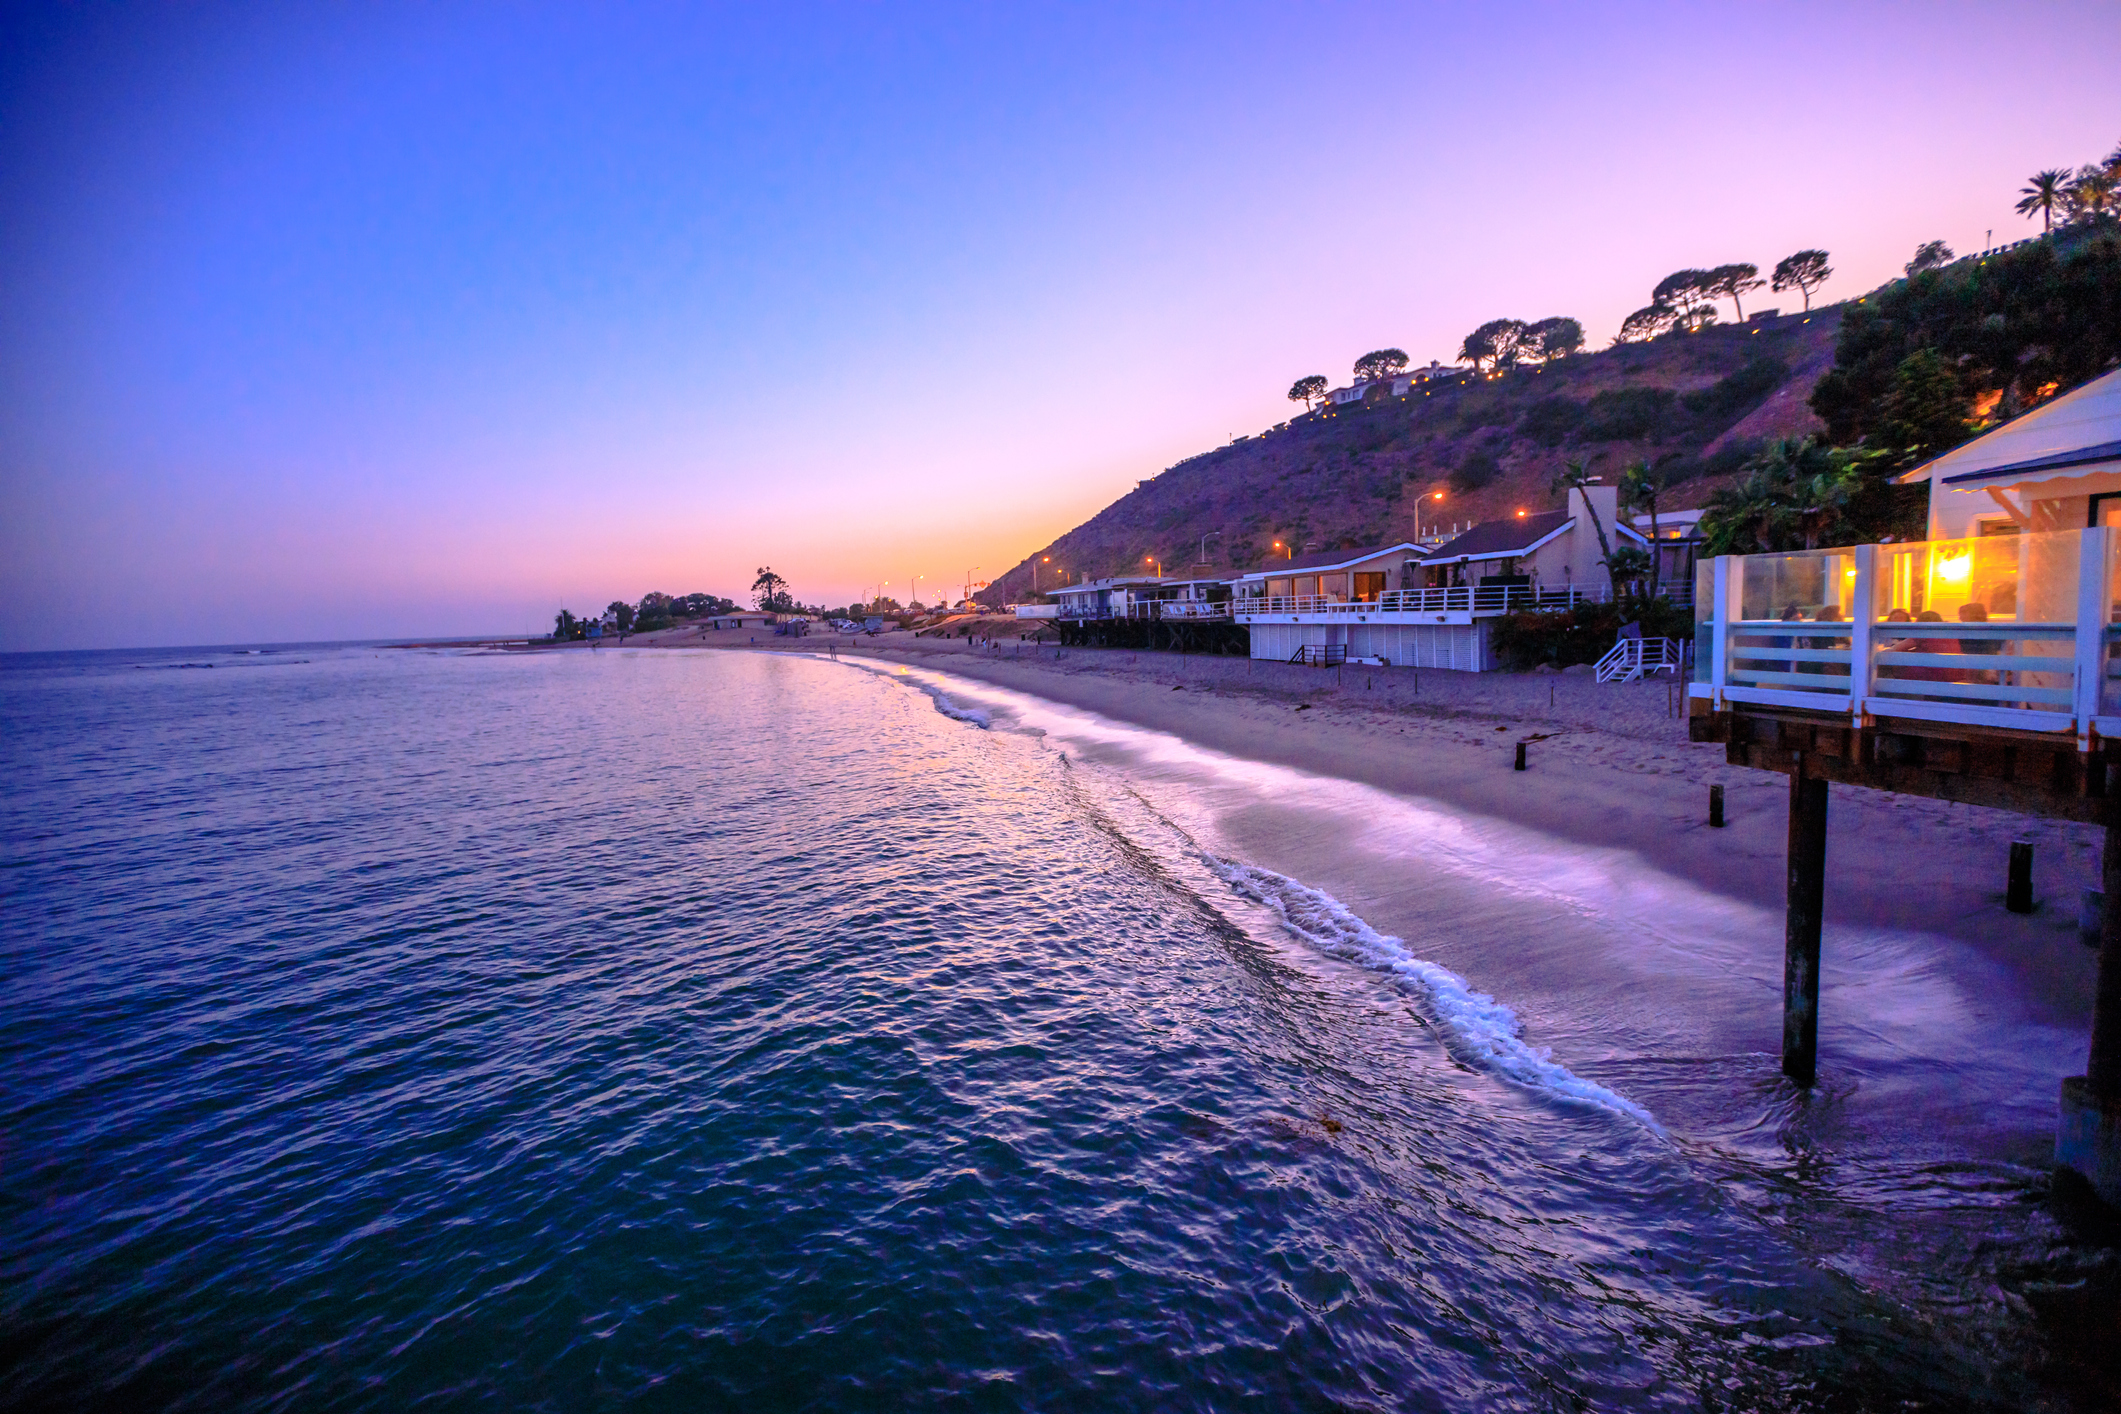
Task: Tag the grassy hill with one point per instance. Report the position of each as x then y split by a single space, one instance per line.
1694 404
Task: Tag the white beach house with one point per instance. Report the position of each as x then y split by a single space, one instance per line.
1414 606
2056 468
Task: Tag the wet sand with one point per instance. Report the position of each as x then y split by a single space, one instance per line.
1609 766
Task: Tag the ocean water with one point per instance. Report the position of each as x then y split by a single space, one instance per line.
635 1030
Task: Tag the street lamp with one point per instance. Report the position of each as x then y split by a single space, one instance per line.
1211 535
1151 560
1417 513
1041 560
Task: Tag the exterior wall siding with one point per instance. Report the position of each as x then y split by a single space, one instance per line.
1460 646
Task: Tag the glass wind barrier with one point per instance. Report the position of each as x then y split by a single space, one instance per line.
1814 589
2010 604
1704 619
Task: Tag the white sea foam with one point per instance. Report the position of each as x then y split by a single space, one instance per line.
975 715
1476 1028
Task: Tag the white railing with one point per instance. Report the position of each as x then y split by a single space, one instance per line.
1455 599
1632 659
2002 631
1038 611
1198 609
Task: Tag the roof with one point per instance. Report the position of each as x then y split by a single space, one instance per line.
2085 456
2055 435
1492 539
1329 560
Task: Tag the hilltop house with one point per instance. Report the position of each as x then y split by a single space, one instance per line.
1398 385
2056 468
1407 605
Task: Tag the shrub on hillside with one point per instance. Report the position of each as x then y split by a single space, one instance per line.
1730 457
1728 399
2025 324
1550 420
1583 634
1476 471
1627 414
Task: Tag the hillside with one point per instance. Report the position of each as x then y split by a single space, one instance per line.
1694 404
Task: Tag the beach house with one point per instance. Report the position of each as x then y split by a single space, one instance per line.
2056 468
1410 605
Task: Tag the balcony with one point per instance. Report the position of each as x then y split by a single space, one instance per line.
1477 599
2010 632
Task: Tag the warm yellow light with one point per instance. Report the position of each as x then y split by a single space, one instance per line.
1520 513
1956 567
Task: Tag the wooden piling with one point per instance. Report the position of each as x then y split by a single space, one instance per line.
2018 892
2102 1069
1801 924
1715 807
1520 756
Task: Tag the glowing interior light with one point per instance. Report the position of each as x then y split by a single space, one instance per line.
1956 567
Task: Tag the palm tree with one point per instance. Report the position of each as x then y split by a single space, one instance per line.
1639 488
1575 475
2043 194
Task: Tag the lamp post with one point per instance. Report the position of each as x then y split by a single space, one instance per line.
1152 560
1211 535
1417 513
1041 560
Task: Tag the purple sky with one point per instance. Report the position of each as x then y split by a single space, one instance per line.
352 321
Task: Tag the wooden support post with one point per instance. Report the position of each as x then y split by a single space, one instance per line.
1520 756
1807 903
2088 1127
2018 892
1716 807
2102 1070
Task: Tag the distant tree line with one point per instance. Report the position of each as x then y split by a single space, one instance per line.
1685 300
654 611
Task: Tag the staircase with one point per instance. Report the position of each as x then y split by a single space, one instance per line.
1324 655
1633 659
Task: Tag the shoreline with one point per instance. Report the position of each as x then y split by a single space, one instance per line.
1607 767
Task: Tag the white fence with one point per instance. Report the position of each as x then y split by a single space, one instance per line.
1455 599
2008 631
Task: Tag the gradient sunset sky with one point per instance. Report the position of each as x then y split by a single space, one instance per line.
363 320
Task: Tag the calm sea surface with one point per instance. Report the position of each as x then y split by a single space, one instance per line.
391 1029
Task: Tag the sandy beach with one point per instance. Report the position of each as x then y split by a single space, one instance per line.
1608 765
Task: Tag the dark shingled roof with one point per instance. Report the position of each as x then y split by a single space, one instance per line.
2054 461
1329 557
1500 537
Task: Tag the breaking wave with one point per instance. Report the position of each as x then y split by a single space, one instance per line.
1475 1027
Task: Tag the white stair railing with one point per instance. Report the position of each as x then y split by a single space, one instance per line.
1631 659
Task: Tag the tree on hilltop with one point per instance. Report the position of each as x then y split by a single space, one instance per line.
1930 255
1493 345
1550 339
1647 323
2044 193
1731 281
1690 295
1308 391
1805 271
2091 195
1380 363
